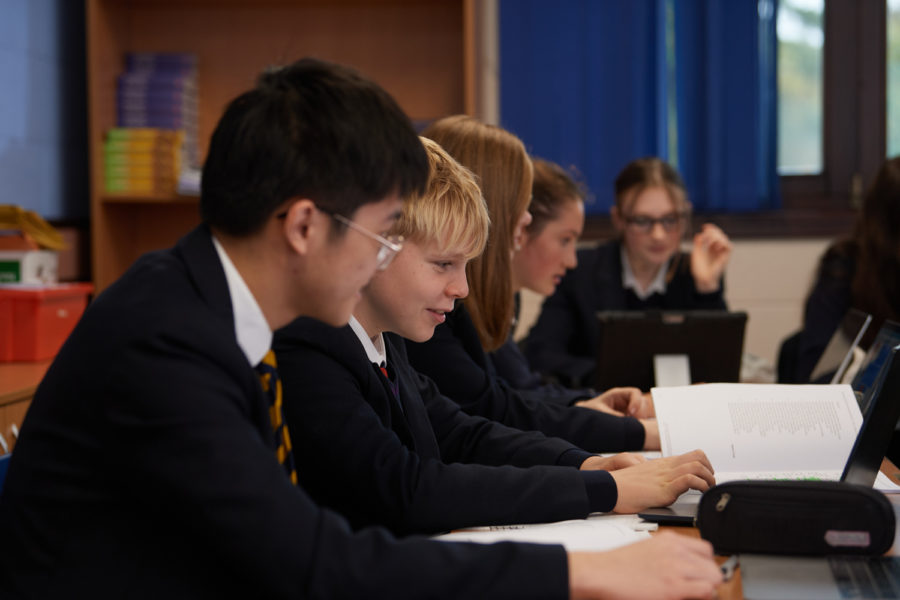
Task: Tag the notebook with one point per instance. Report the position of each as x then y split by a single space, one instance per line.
767 577
865 457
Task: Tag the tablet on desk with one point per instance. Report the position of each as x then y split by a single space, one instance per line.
676 514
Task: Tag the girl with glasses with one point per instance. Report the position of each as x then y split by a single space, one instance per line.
643 268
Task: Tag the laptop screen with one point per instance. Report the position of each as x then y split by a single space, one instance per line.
867 376
837 355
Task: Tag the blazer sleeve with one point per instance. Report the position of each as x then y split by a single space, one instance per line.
513 368
455 360
350 460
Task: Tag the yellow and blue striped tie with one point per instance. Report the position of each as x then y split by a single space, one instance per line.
271 384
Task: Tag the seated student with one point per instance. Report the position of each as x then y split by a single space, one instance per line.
860 271
146 467
386 448
642 269
456 356
542 257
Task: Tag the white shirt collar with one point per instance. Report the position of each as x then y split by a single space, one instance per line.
374 350
629 281
250 326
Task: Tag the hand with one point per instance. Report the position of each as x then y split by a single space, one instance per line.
651 434
668 566
611 463
621 401
710 255
660 481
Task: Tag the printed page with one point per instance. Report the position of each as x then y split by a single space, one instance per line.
598 532
761 428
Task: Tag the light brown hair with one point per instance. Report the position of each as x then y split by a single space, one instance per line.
498 159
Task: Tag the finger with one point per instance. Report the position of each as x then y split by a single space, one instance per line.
693 588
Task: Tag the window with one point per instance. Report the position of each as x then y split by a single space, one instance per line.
893 78
800 90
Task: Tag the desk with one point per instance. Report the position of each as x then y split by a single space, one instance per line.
732 590
18 381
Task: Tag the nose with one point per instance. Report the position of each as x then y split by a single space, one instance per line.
570 260
658 231
458 287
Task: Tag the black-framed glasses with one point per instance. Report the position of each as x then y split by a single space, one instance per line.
390 245
645 224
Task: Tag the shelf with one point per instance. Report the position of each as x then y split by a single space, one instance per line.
420 52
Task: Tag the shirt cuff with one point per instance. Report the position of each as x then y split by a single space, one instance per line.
601 490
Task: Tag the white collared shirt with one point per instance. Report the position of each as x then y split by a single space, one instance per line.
374 349
250 326
629 281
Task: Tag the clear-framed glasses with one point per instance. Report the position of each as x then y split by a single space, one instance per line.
645 224
390 245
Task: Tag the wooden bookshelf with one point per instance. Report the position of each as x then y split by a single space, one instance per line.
421 51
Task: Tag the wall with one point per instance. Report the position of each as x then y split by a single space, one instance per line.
767 278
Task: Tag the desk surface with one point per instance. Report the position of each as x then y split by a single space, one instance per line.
19 380
732 590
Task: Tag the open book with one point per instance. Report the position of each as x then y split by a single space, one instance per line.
763 431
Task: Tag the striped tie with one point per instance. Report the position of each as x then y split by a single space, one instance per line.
271 384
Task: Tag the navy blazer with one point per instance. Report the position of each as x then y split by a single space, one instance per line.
377 460
563 341
456 361
145 469
512 366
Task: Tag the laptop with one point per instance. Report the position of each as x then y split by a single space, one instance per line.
708 345
865 458
839 353
767 577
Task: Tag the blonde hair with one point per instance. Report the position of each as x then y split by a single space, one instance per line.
451 212
499 160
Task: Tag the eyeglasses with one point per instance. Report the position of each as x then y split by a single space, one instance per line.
390 245
645 224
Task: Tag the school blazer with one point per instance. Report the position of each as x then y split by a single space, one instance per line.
456 361
401 464
563 341
145 469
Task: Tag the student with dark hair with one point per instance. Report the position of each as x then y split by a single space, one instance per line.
378 442
642 269
456 357
859 271
153 462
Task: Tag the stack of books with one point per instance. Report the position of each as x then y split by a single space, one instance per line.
156 137
142 159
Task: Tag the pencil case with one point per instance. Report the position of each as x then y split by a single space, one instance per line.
796 517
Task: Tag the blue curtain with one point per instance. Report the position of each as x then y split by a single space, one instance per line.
594 85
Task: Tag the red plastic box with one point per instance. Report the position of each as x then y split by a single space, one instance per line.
35 321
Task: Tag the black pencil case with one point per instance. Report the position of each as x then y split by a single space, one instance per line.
796 517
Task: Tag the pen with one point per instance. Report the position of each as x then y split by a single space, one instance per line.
728 567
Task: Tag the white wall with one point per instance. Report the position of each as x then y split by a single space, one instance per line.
767 278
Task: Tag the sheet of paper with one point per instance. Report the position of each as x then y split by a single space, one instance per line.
598 532
760 428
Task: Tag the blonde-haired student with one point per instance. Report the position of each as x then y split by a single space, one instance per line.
377 441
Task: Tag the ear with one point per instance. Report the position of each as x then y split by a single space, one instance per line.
300 225
617 220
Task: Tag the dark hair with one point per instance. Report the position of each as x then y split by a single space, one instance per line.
552 189
650 172
876 237
312 129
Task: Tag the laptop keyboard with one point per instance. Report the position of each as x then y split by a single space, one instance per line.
866 576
